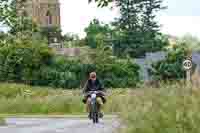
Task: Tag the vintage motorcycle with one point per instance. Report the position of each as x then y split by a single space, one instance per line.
94 106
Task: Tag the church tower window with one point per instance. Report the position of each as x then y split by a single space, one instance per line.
49 18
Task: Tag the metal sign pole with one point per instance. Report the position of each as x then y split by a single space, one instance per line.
188 77
187 65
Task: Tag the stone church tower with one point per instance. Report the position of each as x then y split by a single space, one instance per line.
43 12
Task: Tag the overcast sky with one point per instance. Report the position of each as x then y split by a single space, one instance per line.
181 17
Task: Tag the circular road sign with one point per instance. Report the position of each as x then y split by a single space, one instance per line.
187 64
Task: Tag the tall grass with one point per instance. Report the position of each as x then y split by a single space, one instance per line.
23 99
169 109
172 108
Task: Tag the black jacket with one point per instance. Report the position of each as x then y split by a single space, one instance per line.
93 86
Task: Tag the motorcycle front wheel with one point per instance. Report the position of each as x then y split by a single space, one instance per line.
96 118
95 114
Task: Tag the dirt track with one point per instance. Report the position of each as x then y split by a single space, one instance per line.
58 125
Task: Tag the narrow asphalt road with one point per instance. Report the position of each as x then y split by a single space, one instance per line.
58 125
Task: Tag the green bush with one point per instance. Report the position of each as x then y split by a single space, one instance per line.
114 73
119 74
63 73
21 59
170 68
67 73
30 61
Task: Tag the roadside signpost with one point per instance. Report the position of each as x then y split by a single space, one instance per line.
187 65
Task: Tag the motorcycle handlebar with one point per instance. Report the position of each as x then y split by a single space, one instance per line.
96 92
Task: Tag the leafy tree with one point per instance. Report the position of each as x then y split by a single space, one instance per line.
171 68
13 15
102 3
70 37
73 40
97 33
50 33
8 14
139 30
192 42
20 59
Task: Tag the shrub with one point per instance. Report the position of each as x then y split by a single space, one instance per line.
67 73
32 62
119 74
114 73
63 73
21 59
170 68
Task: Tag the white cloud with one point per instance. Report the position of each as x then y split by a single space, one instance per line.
77 14
180 25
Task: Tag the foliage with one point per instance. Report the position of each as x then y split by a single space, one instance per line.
97 33
27 59
113 72
9 15
20 59
51 33
140 110
42 100
192 42
68 73
38 101
170 68
63 73
119 74
73 40
170 108
139 32
70 37
102 3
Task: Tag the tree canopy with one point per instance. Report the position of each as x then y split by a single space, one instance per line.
97 33
102 3
138 27
13 16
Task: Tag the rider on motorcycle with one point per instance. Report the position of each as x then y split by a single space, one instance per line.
93 84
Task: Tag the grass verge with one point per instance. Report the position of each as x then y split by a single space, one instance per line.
168 109
27 100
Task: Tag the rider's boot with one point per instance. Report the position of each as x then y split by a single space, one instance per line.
90 115
88 108
100 102
101 115
101 111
